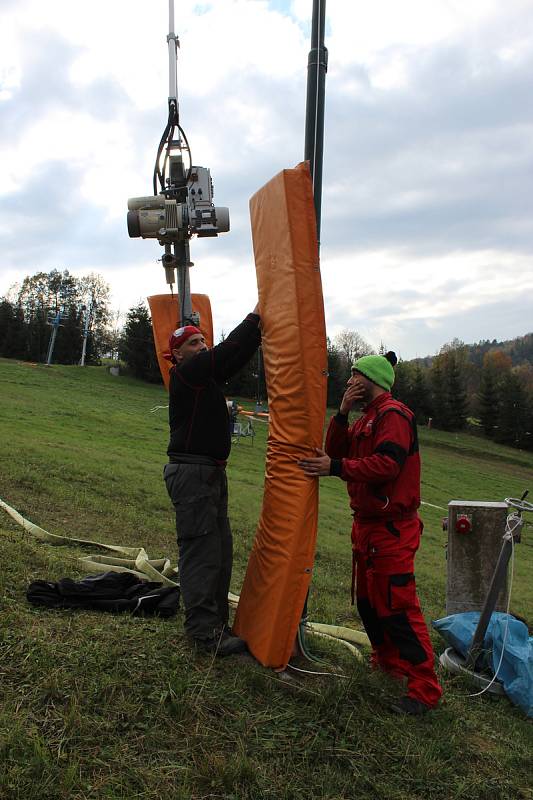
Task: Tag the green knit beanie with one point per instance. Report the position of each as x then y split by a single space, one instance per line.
377 369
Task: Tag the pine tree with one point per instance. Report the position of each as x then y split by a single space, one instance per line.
488 400
496 369
439 395
12 331
420 398
137 345
513 412
401 388
337 375
456 390
7 317
37 335
528 438
69 339
249 381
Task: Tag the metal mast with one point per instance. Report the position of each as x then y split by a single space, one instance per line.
88 312
317 66
181 254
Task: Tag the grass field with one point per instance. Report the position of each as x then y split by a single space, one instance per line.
102 707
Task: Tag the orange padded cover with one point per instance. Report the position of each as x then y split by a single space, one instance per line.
164 309
295 356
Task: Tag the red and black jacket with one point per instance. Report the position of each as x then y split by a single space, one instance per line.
378 458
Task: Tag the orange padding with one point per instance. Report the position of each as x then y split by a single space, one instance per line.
294 350
254 413
164 309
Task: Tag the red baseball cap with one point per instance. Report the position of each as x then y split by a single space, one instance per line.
179 337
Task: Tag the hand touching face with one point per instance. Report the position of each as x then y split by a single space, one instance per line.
355 393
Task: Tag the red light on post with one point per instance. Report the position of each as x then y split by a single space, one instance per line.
463 524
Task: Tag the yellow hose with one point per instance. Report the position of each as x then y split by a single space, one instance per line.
160 570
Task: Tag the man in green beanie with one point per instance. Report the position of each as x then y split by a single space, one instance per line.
378 458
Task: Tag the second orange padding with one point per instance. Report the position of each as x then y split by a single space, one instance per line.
295 356
164 309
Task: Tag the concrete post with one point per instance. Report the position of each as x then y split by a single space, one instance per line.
473 554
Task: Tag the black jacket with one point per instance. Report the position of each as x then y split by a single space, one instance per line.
110 591
198 414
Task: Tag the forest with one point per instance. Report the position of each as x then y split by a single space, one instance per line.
486 387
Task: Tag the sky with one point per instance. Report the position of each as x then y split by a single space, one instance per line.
427 208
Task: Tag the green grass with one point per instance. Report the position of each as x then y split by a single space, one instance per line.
102 707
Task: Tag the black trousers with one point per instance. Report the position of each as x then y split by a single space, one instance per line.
200 496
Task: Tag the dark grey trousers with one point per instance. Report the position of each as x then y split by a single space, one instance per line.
200 497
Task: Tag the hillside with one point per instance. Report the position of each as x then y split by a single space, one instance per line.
519 350
102 707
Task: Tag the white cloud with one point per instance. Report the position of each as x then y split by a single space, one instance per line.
427 207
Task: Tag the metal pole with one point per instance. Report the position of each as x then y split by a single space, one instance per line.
55 326
314 116
51 345
317 65
85 333
496 585
184 288
172 56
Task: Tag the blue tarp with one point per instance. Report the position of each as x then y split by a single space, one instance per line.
516 670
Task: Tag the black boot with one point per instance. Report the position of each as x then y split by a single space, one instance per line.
410 706
222 645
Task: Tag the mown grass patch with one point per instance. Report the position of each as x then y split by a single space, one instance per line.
96 706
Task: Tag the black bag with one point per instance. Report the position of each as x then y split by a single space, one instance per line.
109 591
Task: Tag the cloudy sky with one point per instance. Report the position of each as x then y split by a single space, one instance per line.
427 214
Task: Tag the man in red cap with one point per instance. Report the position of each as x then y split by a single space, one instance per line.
195 477
378 458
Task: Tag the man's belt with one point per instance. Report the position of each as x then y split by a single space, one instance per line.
189 458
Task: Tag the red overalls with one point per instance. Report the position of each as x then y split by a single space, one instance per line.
378 457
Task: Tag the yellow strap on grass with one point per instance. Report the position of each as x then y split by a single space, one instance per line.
346 636
338 632
158 570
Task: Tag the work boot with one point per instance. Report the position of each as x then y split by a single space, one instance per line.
410 706
223 645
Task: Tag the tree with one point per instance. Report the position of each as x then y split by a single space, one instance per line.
496 368
42 295
411 387
12 330
488 400
420 396
449 400
7 314
514 412
456 390
137 345
113 334
402 383
351 346
528 438
68 345
94 294
439 395
249 381
337 375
